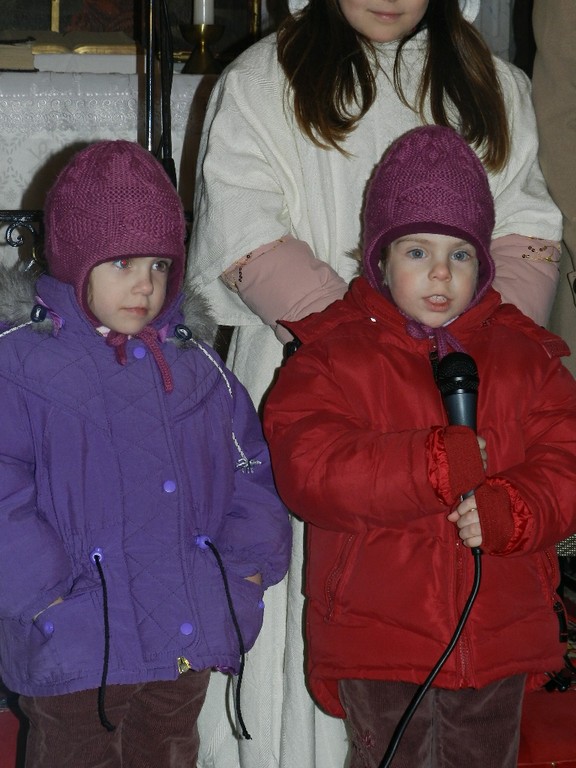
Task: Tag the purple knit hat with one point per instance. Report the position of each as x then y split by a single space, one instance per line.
113 200
429 181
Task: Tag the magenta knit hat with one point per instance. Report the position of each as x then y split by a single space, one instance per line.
429 181
113 200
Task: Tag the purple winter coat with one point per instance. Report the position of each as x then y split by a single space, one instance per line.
96 457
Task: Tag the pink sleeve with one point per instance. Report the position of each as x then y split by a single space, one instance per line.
527 272
283 280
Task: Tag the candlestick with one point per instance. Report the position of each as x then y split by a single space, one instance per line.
55 16
203 12
256 20
202 61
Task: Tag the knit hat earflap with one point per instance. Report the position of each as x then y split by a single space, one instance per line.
113 200
429 181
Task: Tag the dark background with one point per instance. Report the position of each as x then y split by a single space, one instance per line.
126 16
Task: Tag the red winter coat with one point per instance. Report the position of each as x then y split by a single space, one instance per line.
362 453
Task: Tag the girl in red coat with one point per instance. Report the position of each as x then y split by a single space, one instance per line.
363 452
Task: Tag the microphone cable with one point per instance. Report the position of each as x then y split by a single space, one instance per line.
423 689
456 376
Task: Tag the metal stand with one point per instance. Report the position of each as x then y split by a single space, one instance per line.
201 60
159 62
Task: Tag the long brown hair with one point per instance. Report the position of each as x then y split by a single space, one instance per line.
331 69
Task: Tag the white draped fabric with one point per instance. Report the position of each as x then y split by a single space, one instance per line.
46 116
42 113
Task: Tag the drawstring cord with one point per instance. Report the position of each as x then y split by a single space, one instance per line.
205 541
96 558
150 337
443 338
118 342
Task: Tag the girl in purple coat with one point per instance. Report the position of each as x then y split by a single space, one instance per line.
139 521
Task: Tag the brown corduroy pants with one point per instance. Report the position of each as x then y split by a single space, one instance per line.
155 726
450 729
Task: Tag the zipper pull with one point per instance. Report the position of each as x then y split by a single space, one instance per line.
183 665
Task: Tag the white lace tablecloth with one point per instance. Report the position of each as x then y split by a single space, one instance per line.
45 115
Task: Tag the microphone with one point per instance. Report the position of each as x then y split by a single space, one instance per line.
457 380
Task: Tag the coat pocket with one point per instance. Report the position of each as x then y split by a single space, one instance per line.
64 643
247 602
332 558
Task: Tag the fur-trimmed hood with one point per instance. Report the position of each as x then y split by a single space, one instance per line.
20 291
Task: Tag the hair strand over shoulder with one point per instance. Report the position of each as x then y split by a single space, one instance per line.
331 73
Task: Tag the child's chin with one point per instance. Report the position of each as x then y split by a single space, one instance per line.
129 329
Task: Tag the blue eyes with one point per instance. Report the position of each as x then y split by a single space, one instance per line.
160 266
419 253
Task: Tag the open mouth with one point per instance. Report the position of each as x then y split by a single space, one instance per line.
437 300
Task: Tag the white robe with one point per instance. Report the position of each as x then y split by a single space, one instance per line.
259 178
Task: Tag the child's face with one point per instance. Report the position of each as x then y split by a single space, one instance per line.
432 278
382 21
126 294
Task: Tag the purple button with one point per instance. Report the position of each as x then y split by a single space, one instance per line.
139 352
260 603
169 486
48 628
186 628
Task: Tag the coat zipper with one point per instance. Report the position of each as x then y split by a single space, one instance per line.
462 647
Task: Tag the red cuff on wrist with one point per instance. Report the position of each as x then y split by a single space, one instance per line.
496 520
455 462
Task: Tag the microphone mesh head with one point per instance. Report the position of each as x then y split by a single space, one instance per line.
457 372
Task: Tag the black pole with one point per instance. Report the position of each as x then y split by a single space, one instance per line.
159 58
150 76
166 48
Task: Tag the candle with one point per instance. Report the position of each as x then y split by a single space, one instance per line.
55 16
203 12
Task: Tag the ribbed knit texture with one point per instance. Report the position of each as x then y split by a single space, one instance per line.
429 181
113 200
